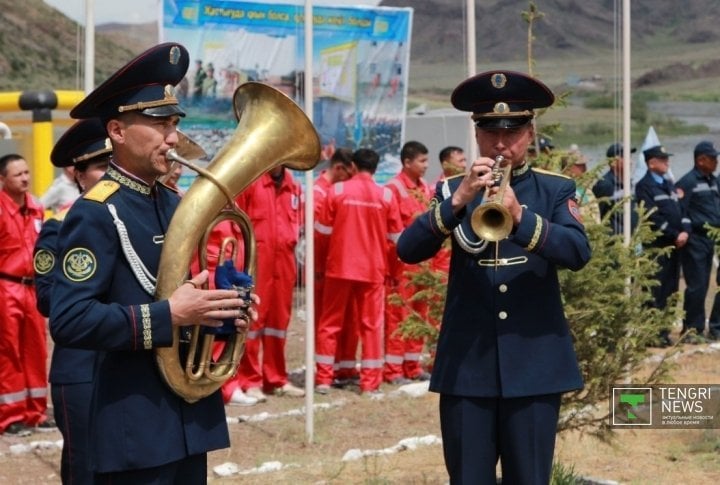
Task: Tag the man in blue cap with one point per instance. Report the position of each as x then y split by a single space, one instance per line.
660 198
502 366
86 148
701 204
609 190
103 297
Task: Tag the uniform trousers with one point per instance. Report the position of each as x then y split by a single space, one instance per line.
191 470
71 403
696 257
519 431
347 300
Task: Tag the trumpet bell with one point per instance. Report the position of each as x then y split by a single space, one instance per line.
491 222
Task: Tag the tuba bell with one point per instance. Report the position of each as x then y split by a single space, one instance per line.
272 130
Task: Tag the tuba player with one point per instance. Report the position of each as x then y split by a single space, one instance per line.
109 250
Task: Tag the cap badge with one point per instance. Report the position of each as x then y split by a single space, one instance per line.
498 80
175 54
501 108
169 92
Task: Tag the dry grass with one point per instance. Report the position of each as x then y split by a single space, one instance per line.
351 421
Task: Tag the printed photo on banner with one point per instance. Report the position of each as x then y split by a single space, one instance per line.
360 69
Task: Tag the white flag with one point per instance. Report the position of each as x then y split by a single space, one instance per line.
651 140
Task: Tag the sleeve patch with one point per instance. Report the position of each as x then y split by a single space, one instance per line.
43 261
79 264
574 210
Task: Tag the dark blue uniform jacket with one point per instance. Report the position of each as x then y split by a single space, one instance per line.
504 333
701 200
98 303
667 217
68 366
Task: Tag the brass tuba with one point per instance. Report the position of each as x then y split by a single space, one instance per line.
272 130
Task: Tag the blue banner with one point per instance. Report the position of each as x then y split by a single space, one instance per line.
360 69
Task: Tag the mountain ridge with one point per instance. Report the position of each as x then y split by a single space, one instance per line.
50 56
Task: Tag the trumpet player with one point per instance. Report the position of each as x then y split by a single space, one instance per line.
505 354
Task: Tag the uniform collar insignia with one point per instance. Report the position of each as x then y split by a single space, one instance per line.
124 179
520 170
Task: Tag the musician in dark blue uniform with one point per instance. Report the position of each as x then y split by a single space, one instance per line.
658 194
505 353
84 146
609 190
108 256
701 204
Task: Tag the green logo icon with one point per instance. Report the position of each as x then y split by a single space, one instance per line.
634 400
631 406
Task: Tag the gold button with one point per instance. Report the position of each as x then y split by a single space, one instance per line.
502 315
502 288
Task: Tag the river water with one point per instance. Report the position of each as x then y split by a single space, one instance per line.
681 147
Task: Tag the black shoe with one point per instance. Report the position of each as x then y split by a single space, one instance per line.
713 336
47 426
694 339
399 381
18 429
343 383
422 377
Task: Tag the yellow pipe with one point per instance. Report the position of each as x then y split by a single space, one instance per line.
41 169
40 103
68 99
10 101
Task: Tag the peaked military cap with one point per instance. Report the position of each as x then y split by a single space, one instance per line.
705 148
81 143
146 85
616 150
658 151
544 143
501 99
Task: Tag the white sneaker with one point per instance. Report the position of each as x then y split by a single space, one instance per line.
256 393
241 399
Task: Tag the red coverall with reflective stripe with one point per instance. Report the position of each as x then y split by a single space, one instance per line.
402 355
23 338
347 341
276 216
362 224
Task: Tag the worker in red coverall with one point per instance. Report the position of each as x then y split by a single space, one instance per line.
23 348
412 194
273 203
340 168
362 223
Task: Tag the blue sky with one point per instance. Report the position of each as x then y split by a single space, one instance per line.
142 11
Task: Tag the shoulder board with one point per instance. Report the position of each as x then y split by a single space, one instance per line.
60 216
168 187
548 172
102 190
